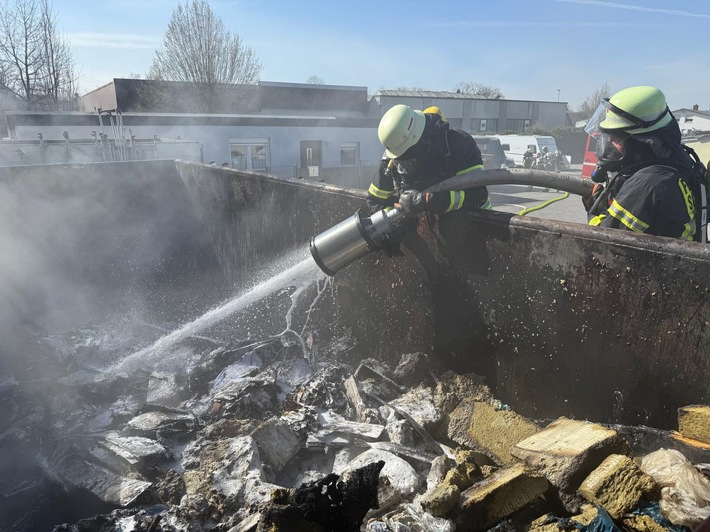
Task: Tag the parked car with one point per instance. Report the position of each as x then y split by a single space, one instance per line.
492 152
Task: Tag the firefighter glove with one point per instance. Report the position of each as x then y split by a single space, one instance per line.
413 202
589 202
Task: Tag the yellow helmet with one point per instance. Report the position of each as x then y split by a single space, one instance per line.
401 128
434 110
632 111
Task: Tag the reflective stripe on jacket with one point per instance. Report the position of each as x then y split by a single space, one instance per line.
456 152
656 200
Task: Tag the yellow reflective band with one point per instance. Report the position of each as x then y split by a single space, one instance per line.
688 197
378 192
487 205
689 228
597 219
688 231
456 201
477 167
626 218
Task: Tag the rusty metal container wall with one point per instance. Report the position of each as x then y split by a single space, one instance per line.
587 322
561 319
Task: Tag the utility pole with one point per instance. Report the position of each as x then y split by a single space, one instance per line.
558 95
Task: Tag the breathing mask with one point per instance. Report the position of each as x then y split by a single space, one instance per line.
419 155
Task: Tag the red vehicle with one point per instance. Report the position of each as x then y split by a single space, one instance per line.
590 157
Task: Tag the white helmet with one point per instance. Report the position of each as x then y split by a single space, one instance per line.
401 128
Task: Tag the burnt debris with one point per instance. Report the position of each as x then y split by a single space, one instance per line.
255 437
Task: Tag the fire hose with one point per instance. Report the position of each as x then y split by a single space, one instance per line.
355 237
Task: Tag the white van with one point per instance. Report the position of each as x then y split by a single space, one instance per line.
515 146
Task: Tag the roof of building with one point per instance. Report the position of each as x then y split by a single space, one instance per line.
311 85
182 96
428 94
694 111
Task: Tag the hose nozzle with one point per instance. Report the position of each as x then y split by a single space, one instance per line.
352 239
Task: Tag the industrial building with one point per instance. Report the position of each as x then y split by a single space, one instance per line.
317 132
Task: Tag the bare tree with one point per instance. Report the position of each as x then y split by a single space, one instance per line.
409 89
314 80
59 83
198 48
21 47
36 61
587 107
478 89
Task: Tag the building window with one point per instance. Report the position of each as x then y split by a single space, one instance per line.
349 153
249 154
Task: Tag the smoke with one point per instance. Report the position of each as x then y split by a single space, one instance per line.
86 244
96 255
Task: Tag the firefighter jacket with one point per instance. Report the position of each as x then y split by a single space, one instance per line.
657 200
660 196
442 152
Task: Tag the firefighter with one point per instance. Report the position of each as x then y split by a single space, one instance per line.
655 186
422 149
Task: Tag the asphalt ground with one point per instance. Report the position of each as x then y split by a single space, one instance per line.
516 198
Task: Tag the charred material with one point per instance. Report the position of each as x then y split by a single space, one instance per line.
329 504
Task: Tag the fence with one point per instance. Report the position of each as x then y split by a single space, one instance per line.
97 150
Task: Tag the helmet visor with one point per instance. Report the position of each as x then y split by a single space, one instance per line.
592 127
608 128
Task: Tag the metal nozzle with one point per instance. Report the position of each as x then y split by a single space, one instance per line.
352 239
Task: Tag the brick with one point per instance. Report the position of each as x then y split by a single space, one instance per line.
641 523
553 523
498 496
493 431
694 422
441 500
617 485
444 496
567 451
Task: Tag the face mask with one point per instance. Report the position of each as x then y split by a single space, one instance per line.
610 151
610 148
416 156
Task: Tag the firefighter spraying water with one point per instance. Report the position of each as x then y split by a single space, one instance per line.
428 168
359 235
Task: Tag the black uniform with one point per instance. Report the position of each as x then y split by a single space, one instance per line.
660 196
657 200
442 152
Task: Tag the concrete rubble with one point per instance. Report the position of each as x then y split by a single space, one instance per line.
260 438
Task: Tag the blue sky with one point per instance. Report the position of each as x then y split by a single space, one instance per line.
528 49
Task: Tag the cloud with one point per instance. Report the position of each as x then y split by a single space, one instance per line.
125 41
629 7
540 24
